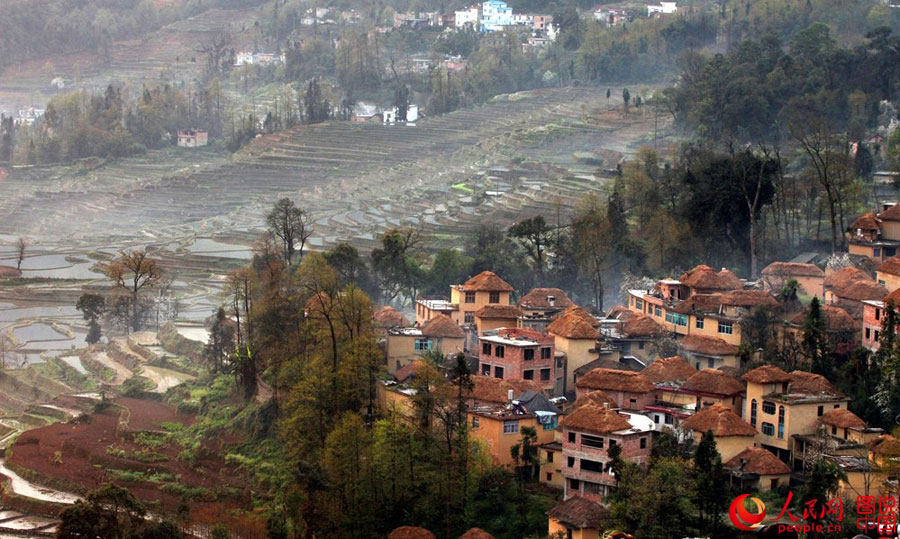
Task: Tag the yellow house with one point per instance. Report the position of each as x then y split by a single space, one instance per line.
810 277
403 345
781 405
394 399
501 428
888 274
732 433
496 316
575 337
486 288
551 456
837 280
758 469
577 518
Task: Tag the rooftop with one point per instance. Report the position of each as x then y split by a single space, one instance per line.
767 374
844 419
759 461
615 380
443 327
713 381
545 299
516 337
572 325
720 420
437 304
792 269
705 278
669 369
486 281
707 346
499 312
579 513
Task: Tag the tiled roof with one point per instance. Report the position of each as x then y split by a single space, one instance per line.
813 384
442 326
580 312
668 369
885 445
890 214
572 326
499 311
720 420
404 372
891 266
389 317
476 533
487 281
836 319
705 303
767 374
749 298
595 418
596 397
410 532
538 298
842 418
706 278
615 380
708 346
579 513
490 389
619 312
845 276
792 269
758 460
861 291
713 381
866 221
641 325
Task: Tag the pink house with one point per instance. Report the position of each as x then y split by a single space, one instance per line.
518 354
630 390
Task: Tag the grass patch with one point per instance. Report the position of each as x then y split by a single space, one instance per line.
462 187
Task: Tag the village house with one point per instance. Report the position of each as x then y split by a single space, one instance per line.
491 392
842 278
587 434
611 16
577 518
810 277
876 236
676 401
852 297
386 318
467 18
756 469
663 8
192 138
709 352
575 337
781 406
405 344
492 317
500 427
495 14
633 335
389 116
873 319
732 434
519 353
540 305
466 299
887 274
840 328
630 390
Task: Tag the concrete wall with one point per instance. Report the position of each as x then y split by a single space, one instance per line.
481 299
490 431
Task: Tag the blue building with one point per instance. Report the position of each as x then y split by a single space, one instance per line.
495 14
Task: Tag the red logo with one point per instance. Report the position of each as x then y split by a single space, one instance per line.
743 519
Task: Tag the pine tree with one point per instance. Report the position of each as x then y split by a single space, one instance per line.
815 343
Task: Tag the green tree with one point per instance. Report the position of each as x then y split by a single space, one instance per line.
815 341
711 484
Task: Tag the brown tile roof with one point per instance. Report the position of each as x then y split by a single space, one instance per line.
489 389
749 298
708 346
706 278
891 266
499 311
389 317
442 326
668 369
890 214
487 281
861 291
720 420
580 312
476 533
813 384
846 276
404 372
792 269
538 298
615 380
619 311
595 418
641 325
836 319
885 445
893 297
572 326
767 374
706 303
410 532
758 460
844 419
579 513
713 381
596 397
866 221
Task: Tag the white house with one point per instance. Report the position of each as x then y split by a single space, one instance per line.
390 116
495 14
665 8
467 17
522 19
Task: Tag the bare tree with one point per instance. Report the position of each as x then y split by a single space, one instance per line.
216 50
291 226
20 252
133 272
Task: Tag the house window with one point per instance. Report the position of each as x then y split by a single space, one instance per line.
511 427
550 456
878 313
657 311
639 304
612 442
632 401
498 372
529 354
422 344
669 420
680 319
499 351
528 375
845 434
470 297
591 466
868 333
656 418
834 431
699 322
641 345
669 317
592 441
876 334
876 252
469 318
545 374
643 443
753 412
570 462
768 429
545 353
485 369
773 484
486 348
781 422
890 251
820 411
710 362
549 477
495 297
725 327
574 484
836 406
475 423
571 437
768 407
881 282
